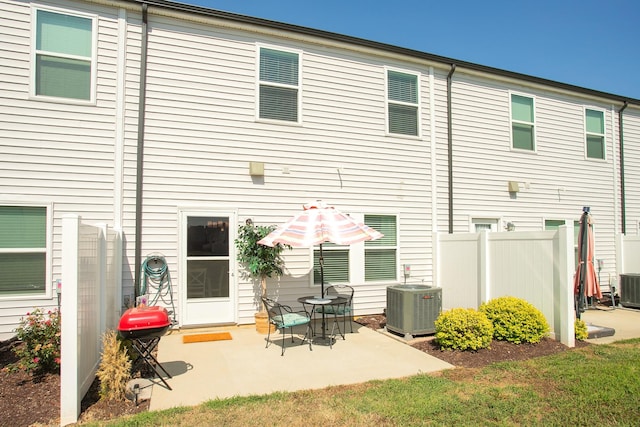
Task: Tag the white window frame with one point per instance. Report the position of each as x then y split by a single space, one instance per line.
484 220
34 52
603 135
48 292
532 124
357 256
388 102
297 87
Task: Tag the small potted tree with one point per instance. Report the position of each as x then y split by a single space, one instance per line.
260 262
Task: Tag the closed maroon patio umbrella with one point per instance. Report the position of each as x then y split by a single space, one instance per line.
585 282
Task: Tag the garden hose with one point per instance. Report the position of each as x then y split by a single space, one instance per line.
155 282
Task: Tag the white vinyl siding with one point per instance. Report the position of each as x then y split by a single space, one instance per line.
63 57
23 250
523 135
402 103
594 134
279 87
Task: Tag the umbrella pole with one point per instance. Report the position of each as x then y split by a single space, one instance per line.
584 230
322 289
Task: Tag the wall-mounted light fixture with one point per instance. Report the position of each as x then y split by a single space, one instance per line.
256 168
514 187
511 226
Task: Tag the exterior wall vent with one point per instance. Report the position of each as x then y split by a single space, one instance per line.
413 309
629 290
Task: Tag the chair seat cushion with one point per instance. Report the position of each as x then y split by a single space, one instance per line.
288 320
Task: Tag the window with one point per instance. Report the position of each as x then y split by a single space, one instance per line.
594 130
23 250
402 98
481 224
336 264
279 85
380 255
63 59
343 264
522 122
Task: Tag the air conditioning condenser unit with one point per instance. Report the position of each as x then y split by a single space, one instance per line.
413 309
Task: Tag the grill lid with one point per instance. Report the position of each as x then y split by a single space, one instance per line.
144 318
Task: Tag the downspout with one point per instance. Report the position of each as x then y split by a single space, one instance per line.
623 209
140 151
450 146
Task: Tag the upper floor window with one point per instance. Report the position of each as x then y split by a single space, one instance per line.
63 56
402 99
594 133
279 97
23 250
522 122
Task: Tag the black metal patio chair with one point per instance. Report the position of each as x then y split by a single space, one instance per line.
344 310
283 317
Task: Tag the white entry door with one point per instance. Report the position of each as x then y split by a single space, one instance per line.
207 291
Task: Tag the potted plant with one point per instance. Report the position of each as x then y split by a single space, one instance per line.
260 262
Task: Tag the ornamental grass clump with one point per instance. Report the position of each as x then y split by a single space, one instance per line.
115 368
515 320
463 329
39 333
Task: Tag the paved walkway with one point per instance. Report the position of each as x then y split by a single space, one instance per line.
624 321
243 366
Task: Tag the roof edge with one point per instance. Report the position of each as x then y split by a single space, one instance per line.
245 19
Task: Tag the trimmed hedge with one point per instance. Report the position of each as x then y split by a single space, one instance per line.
515 320
463 329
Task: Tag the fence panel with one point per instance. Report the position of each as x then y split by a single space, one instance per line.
535 266
88 303
458 269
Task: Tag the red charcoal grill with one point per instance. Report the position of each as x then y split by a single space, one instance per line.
144 326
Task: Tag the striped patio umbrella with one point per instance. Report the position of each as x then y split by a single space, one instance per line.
585 281
319 223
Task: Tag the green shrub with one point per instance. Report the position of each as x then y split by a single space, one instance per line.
115 368
515 320
463 329
580 328
40 334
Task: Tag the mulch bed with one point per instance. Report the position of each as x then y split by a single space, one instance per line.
499 351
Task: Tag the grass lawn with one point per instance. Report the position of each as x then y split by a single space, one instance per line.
597 385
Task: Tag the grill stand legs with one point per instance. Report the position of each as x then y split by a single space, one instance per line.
145 347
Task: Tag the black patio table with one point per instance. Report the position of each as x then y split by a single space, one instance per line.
328 300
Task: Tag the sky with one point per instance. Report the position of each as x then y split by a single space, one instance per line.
588 43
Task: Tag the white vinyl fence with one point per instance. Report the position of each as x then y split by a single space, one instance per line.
537 266
90 304
628 254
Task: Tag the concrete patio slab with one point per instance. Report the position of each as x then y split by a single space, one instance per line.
243 366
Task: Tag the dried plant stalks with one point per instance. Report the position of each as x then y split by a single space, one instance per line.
115 368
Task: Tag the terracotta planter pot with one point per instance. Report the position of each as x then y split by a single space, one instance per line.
262 323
